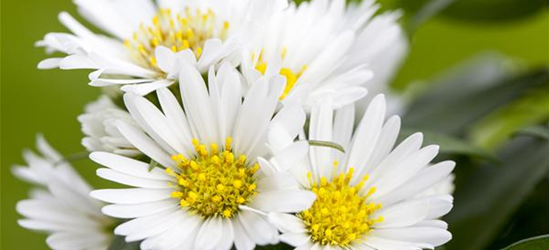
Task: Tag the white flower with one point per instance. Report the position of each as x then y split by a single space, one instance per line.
99 125
324 48
149 37
220 178
60 204
367 196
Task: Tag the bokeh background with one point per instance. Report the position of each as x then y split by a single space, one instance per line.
452 43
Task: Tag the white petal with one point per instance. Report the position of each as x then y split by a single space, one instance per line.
145 144
129 180
241 239
257 228
295 239
138 210
210 234
129 166
429 235
131 195
366 137
287 223
403 214
284 200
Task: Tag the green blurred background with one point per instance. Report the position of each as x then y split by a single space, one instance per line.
35 101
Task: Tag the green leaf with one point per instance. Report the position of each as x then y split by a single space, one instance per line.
494 10
470 10
153 165
451 145
119 243
486 197
423 10
280 246
500 125
535 131
456 101
534 243
327 144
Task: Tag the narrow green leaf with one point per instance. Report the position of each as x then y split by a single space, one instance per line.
73 157
327 144
119 243
426 10
451 145
486 197
153 165
535 131
534 243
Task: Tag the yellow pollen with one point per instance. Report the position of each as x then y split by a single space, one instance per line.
240 200
237 183
290 75
176 31
339 215
213 183
227 213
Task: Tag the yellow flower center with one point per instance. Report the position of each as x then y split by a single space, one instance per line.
213 183
341 214
177 31
290 75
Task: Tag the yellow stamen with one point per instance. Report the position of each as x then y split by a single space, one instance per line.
291 76
339 215
176 31
213 182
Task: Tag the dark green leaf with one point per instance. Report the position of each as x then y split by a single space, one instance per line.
488 196
529 220
470 10
535 131
120 244
280 246
327 144
535 243
451 145
494 10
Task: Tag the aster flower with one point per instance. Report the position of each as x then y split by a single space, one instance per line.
220 177
324 48
148 37
98 124
60 203
367 196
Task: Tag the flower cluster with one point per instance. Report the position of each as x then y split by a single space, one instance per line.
232 122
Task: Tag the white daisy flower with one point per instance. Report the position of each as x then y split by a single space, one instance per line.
99 125
149 36
367 196
324 48
220 178
60 204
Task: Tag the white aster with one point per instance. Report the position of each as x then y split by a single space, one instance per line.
147 38
60 203
367 197
99 125
324 47
220 177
